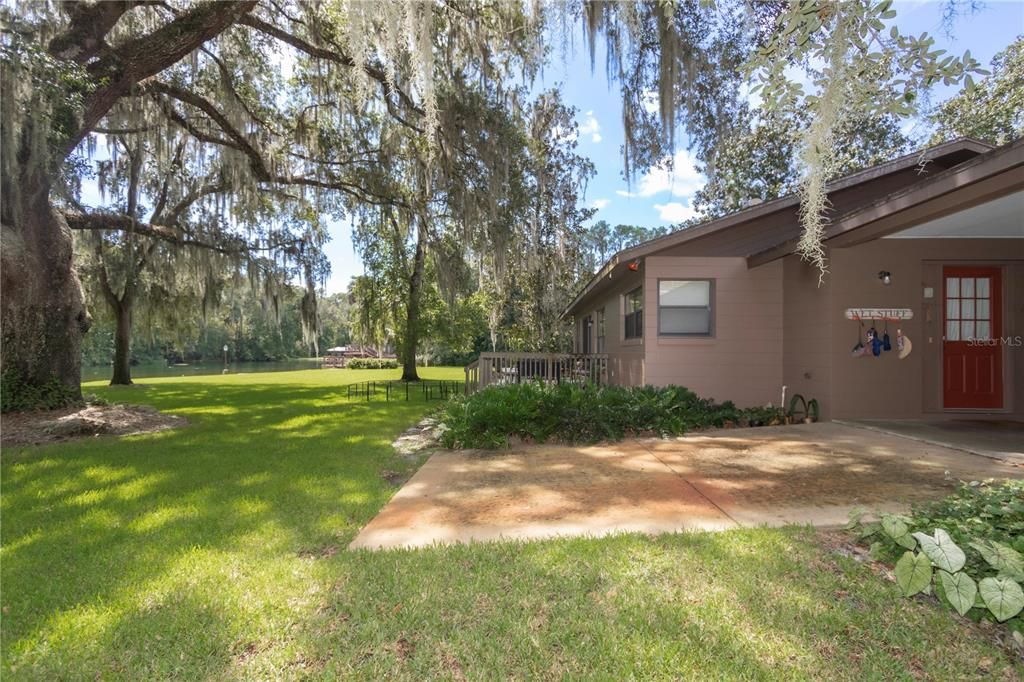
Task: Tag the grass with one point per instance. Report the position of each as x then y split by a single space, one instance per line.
218 551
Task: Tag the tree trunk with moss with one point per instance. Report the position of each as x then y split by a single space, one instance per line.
43 311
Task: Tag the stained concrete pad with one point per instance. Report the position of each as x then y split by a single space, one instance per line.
709 481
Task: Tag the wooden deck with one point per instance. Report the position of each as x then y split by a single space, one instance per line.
513 368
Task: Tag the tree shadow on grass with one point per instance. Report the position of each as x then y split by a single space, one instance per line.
263 471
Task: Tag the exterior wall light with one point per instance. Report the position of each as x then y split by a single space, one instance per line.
886 277
634 266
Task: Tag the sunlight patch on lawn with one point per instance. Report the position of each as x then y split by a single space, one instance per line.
158 518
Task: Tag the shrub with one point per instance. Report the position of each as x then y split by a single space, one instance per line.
372 363
967 548
583 413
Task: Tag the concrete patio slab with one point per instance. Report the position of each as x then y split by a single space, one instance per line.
996 438
743 477
536 492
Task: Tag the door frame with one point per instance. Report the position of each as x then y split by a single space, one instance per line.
996 310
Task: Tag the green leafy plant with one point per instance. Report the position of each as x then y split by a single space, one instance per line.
586 413
970 559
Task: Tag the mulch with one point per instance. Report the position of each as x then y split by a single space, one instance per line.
75 423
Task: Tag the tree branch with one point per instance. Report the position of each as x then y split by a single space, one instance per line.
238 140
161 201
120 69
88 26
229 244
374 71
213 187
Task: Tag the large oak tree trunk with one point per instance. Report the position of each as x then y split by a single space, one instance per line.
42 311
123 346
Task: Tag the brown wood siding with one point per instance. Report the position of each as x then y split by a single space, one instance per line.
742 361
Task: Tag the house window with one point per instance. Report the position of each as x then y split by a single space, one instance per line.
600 330
634 308
684 307
588 324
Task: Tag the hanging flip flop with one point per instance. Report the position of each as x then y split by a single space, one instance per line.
886 344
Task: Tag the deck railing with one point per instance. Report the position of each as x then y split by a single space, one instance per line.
514 368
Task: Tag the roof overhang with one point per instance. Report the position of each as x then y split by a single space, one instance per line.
983 178
966 147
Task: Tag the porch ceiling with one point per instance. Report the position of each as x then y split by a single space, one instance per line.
1003 217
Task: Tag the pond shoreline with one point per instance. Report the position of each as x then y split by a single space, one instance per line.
160 369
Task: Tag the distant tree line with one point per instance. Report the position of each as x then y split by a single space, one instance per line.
252 330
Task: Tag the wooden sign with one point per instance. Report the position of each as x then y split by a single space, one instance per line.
879 314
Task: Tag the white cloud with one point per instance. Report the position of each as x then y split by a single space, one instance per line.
674 212
681 180
600 203
591 127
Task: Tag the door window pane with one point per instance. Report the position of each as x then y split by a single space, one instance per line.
967 287
981 310
967 309
953 309
953 331
982 331
953 287
982 284
967 329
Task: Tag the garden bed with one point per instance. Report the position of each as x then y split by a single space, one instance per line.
534 412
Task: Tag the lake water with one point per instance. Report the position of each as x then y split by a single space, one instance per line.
160 369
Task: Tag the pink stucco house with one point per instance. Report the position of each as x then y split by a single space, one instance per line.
935 238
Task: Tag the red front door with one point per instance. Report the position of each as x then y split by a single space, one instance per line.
972 358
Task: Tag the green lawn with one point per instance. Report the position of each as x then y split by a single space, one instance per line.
218 551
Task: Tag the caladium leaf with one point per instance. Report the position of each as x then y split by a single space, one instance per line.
1003 597
942 551
960 590
1001 557
913 573
898 531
